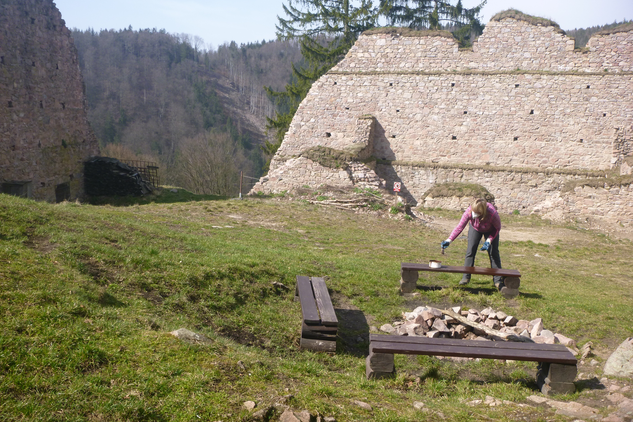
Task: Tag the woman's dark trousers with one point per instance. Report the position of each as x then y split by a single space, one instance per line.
474 237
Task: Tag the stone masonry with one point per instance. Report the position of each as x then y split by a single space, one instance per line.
522 113
44 132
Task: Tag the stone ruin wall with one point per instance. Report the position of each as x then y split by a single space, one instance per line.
44 132
522 113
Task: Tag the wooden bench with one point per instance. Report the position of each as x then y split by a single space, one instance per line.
556 371
319 326
409 273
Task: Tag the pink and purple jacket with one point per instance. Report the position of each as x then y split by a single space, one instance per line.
492 223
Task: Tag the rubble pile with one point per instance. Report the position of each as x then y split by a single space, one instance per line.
472 324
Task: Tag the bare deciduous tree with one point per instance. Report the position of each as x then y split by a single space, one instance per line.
209 163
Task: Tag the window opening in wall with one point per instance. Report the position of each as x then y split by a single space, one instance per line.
393 136
62 192
1 59
33 64
452 83
397 110
604 114
453 137
63 106
531 111
390 83
516 85
57 66
335 82
42 184
346 108
32 21
10 104
582 140
41 104
516 138
21 189
39 144
465 112
588 86
328 134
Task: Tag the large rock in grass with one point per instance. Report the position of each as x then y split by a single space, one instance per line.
190 337
620 363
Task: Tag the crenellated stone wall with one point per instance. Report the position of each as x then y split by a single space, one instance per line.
44 132
522 113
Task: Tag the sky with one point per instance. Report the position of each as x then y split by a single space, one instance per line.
243 21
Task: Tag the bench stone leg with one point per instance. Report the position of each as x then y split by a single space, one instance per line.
408 281
555 378
511 287
379 365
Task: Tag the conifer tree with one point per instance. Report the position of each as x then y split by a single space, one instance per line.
326 29
437 14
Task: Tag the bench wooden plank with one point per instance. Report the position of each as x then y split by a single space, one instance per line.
550 353
318 336
477 343
308 305
324 303
319 328
472 352
469 270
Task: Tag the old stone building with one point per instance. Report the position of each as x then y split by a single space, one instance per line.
546 128
44 132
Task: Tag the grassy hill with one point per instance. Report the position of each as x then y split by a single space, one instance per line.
89 294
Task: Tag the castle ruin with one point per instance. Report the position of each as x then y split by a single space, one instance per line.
545 127
44 132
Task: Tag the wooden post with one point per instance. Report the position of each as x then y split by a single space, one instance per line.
241 177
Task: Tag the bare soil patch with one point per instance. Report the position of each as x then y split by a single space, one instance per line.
547 235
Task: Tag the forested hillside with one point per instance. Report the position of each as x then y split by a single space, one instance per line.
582 35
163 98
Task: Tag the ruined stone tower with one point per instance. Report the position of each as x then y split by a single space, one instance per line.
44 132
546 128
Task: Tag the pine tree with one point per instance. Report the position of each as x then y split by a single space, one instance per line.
436 14
326 30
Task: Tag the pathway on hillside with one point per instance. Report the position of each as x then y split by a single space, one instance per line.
547 234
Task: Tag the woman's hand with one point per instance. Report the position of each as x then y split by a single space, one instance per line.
486 245
446 243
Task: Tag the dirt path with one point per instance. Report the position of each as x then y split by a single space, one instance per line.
545 235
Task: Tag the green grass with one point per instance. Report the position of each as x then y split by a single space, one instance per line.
89 294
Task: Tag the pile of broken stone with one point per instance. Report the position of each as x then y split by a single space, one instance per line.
486 324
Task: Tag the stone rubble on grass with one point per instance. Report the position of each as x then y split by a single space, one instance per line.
190 337
430 322
303 416
418 405
621 409
362 405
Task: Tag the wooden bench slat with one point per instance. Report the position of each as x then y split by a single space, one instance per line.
324 303
469 270
476 343
308 305
473 352
318 336
318 328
